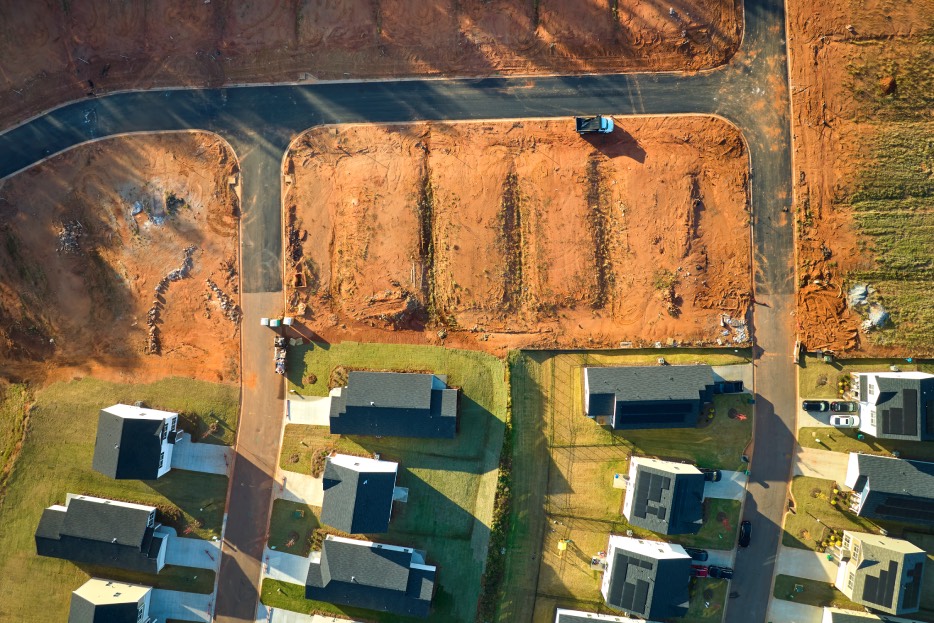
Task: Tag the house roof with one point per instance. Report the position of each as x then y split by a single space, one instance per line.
905 405
129 442
576 616
667 497
358 494
899 489
650 383
836 615
647 578
395 404
98 519
106 601
887 572
370 575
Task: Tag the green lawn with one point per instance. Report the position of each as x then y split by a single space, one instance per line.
815 517
820 594
708 597
817 379
14 401
844 440
292 522
56 459
451 483
563 466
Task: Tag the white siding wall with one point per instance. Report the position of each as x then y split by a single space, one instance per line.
167 448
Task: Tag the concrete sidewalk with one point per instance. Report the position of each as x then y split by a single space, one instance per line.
297 487
806 564
719 558
732 486
285 567
193 553
782 611
821 464
181 606
202 457
312 410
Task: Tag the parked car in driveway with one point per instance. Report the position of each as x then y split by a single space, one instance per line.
697 554
724 573
711 475
844 421
745 534
844 406
699 571
815 405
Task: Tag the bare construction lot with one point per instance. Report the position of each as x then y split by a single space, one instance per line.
517 234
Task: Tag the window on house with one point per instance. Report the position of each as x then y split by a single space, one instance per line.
856 552
152 519
161 459
872 389
847 540
165 430
139 611
872 417
851 580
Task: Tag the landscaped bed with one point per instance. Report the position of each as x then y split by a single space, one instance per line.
56 459
815 519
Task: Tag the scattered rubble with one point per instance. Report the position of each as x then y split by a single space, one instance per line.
152 317
69 236
231 310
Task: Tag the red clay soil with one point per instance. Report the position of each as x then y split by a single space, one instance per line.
59 51
831 132
76 303
500 235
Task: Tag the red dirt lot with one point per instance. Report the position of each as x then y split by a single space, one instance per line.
59 51
845 58
76 303
507 234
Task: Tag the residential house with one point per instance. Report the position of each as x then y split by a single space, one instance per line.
838 615
895 405
358 493
880 572
664 497
646 578
134 443
373 576
647 397
890 489
576 616
106 601
103 532
395 404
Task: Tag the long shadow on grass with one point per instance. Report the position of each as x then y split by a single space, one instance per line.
199 496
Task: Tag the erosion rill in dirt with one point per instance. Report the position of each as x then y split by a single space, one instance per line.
512 243
597 208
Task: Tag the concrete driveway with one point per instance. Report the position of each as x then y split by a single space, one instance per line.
791 612
193 553
812 418
286 567
740 372
202 457
313 410
806 564
180 606
732 486
297 487
821 464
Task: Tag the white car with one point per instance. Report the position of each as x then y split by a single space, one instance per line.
844 421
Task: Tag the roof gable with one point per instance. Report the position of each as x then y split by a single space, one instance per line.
358 494
106 521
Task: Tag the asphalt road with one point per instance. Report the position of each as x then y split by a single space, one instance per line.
259 122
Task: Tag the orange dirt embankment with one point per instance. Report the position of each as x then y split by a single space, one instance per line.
831 129
508 234
86 238
59 51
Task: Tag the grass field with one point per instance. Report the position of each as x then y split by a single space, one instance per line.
14 400
56 459
563 465
815 517
292 521
817 379
820 594
451 483
844 440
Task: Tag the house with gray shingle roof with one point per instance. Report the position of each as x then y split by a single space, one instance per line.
664 497
134 442
627 397
370 575
895 405
395 404
838 615
358 493
106 601
880 572
887 488
103 532
646 578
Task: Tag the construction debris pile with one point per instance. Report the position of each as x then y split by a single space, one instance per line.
69 236
859 299
230 309
152 319
734 326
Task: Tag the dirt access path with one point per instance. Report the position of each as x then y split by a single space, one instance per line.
495 236
86 239
862 83
59 51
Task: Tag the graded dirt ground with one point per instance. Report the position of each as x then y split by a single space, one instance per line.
86 238
863 99
500 235
60 51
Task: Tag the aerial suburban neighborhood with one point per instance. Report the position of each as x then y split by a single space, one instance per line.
466 311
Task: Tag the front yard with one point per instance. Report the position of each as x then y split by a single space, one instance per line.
845 440
817 379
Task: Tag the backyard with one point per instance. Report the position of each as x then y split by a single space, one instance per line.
566 500
451 483
817 379
56 459
846 440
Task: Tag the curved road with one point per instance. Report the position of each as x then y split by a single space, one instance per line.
259 122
